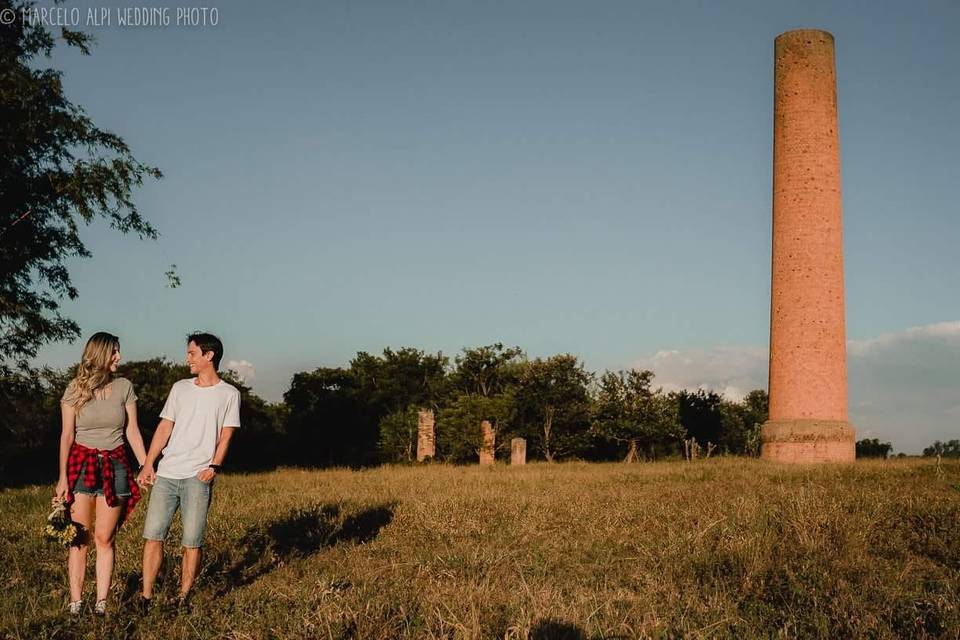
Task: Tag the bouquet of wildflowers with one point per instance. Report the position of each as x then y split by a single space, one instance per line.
60 528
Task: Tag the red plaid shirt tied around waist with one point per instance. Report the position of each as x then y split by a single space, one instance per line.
85 458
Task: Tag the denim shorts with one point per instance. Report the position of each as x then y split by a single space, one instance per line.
192 496
121 488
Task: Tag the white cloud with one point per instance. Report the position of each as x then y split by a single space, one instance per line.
903 386
731 371
946 331
244 369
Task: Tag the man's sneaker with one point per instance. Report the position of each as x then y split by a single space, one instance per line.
100 608
74 608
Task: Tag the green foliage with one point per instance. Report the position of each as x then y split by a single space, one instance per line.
57 170
949 449
873 448
629 412
700 415
553 406
398 435
30 427
741 424
458 425
330 421
487 371
399 379
482 386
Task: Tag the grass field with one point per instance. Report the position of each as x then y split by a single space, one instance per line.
718 548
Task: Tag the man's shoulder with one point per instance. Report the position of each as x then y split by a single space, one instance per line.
180 385
228 389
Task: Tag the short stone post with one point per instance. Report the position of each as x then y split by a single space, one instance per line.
426 441
489 443
518 451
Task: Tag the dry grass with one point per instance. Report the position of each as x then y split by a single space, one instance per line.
720 548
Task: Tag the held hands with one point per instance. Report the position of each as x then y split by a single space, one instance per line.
147 476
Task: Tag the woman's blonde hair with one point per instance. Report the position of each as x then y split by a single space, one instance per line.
93 372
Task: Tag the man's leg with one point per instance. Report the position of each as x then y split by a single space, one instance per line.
191 564
194 503
164 500
152 557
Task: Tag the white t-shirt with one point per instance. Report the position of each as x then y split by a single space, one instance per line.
198 415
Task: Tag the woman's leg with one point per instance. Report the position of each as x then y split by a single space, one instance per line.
81 512
106 528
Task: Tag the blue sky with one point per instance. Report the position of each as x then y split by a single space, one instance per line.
580 177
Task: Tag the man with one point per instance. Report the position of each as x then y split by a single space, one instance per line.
197 423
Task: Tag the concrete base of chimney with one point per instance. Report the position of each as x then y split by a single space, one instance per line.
808 441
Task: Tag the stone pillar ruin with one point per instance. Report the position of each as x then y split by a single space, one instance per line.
518 451
426 436
488 443
808 358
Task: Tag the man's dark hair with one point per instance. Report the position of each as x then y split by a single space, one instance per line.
208 342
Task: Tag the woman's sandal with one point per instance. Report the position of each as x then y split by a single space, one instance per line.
100 608
74 608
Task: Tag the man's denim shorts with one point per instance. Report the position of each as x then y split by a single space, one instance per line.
192 496
121 487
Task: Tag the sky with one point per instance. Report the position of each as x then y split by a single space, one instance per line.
570 177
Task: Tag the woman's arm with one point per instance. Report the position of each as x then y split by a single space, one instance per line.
134 437
68 422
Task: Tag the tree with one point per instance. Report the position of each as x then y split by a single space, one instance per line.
700 415
458 430
30 427
57 170
400 379
398 435
395 386
330 422
950 449
630 412
486 371
873 448
481 387
741 423
553 405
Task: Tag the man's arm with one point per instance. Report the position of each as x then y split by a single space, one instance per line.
219 455
160 439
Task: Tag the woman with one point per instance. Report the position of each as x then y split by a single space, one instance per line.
95 473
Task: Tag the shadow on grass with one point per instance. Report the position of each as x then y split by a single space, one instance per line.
549 629
298 534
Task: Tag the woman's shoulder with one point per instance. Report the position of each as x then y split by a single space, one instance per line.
121 383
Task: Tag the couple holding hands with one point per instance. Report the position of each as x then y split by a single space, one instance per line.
98 482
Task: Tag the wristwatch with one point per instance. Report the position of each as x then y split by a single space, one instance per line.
215 467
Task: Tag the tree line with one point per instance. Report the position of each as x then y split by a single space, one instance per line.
366 412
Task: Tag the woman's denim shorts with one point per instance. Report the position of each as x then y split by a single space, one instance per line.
121 487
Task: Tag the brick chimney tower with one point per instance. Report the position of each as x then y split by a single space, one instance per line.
808 355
